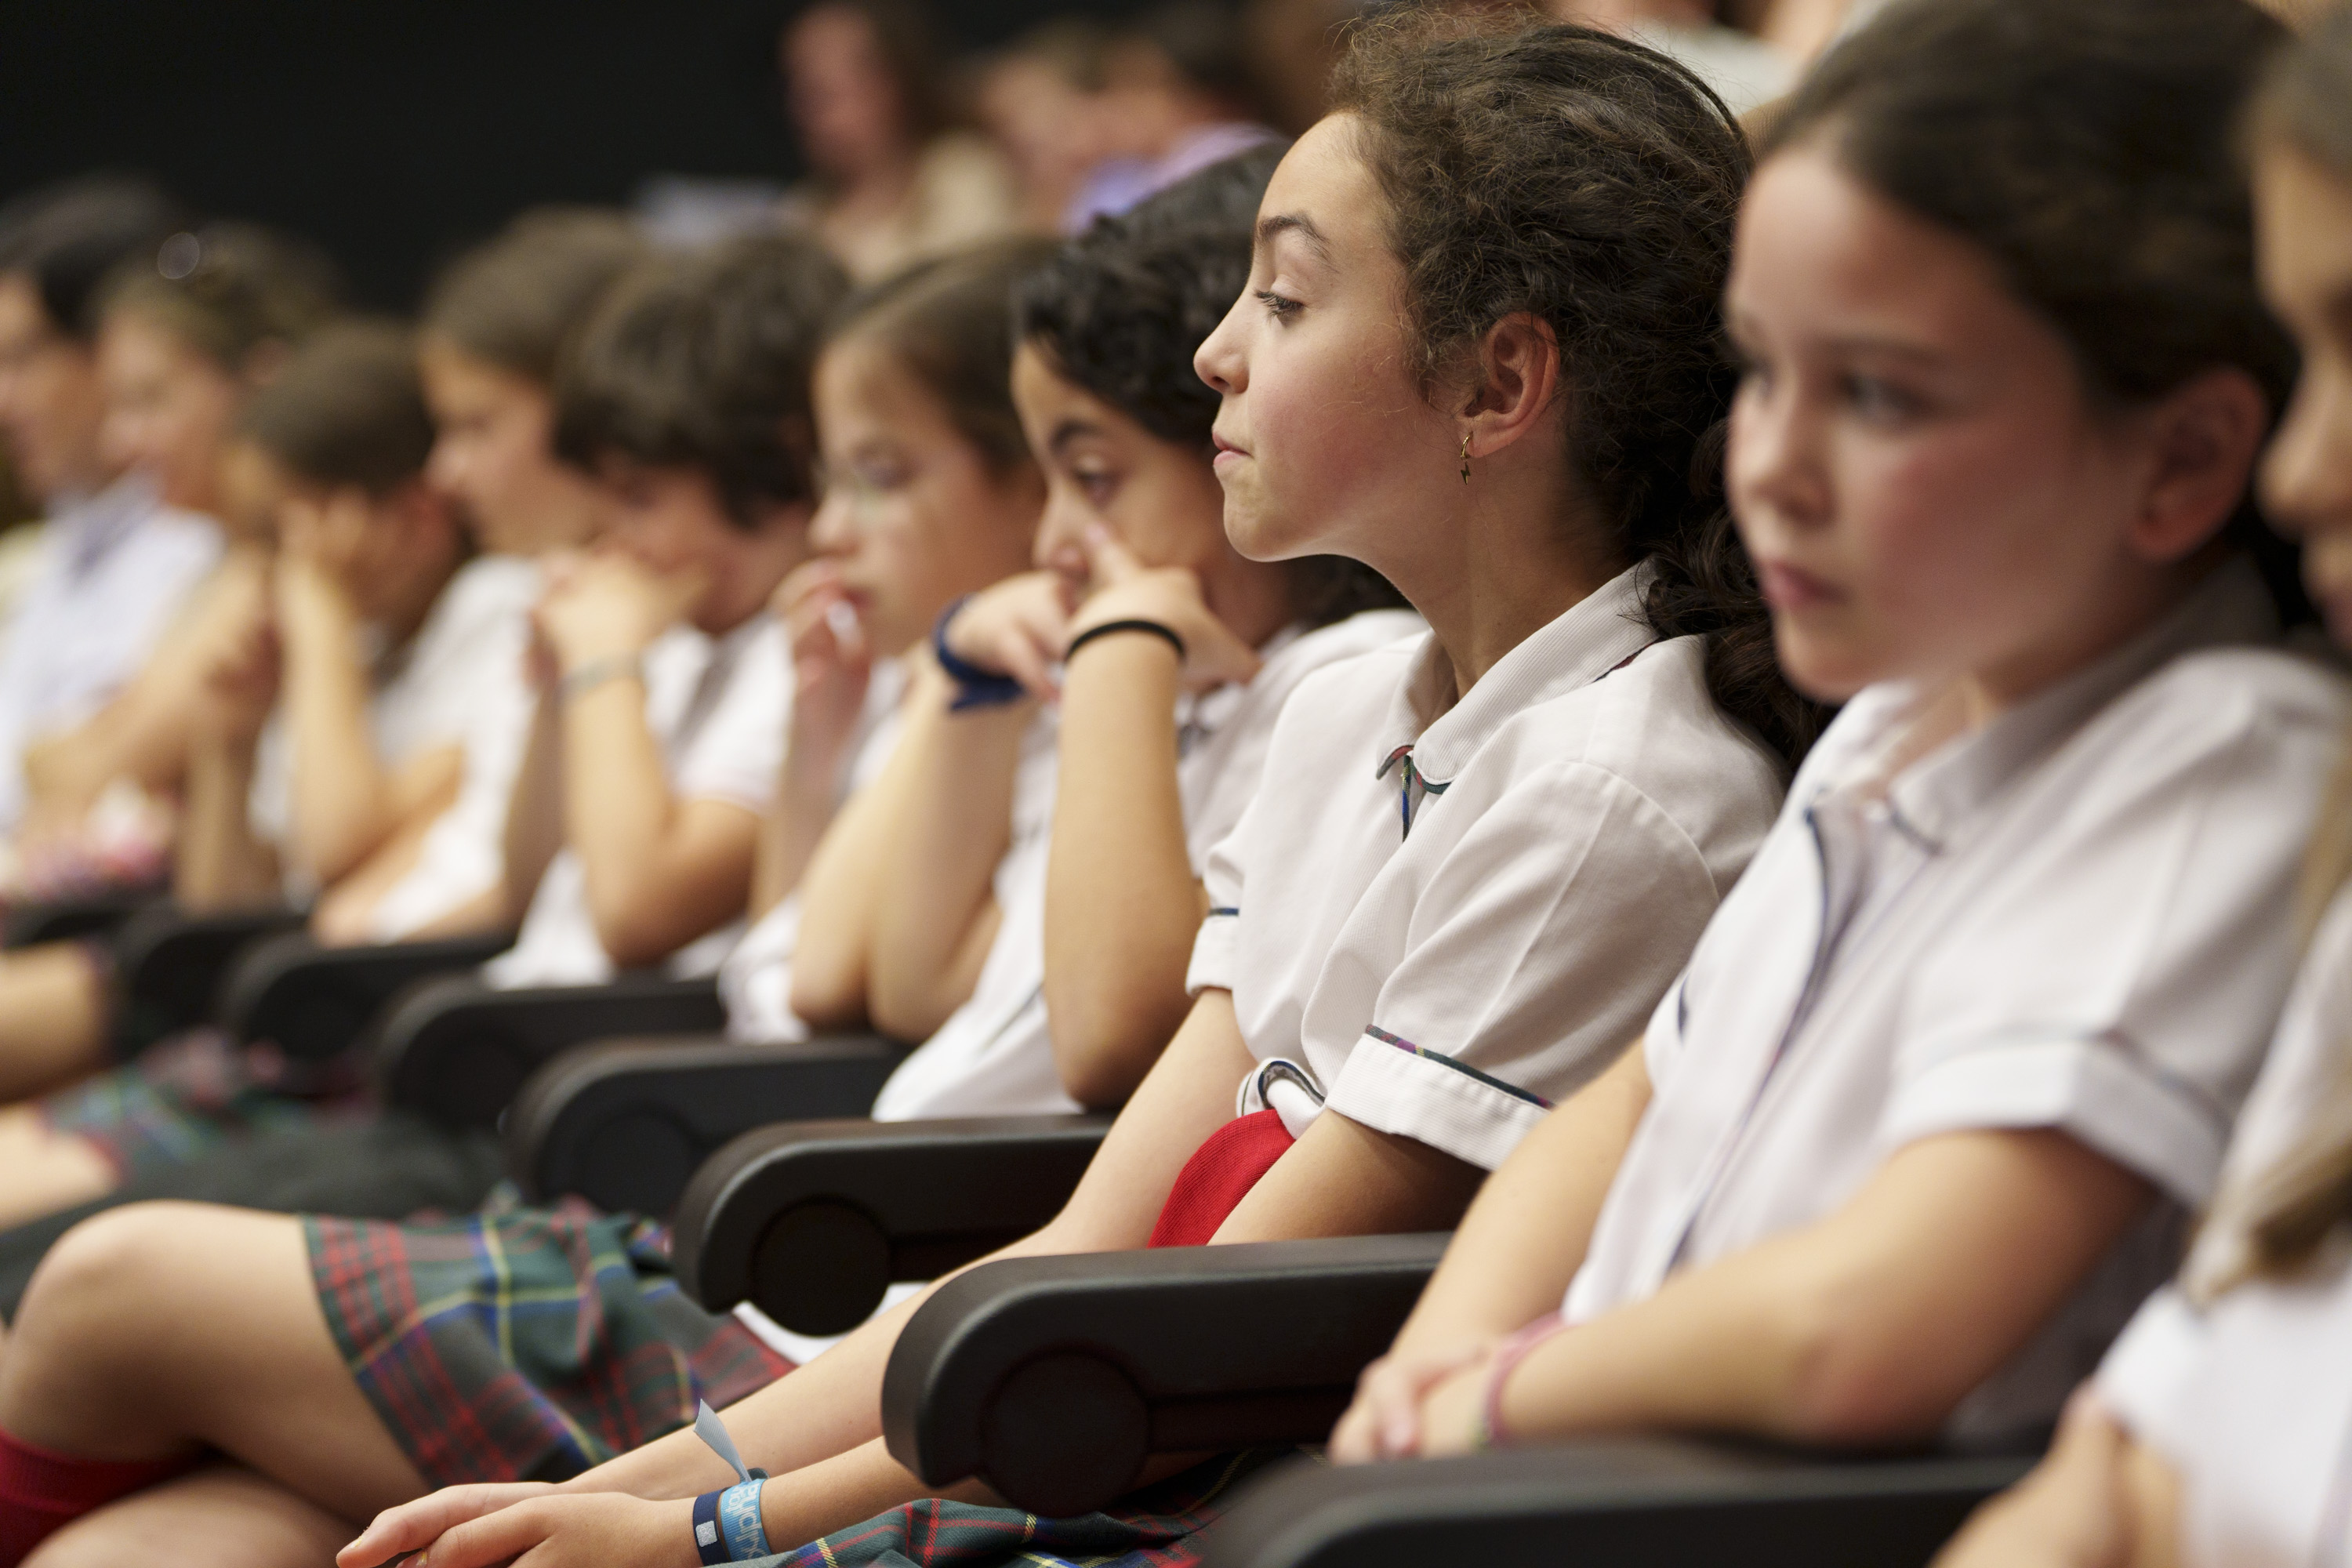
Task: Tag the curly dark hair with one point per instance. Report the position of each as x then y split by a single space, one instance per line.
702 362
1594 183
514 300
1120 310
2098 170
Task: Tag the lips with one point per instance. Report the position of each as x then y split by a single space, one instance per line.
1226 447
1788 588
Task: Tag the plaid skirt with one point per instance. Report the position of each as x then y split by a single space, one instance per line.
186 1096
1153 1527
523 1344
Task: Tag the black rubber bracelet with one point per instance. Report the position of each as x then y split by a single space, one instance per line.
975 687
710 1540
1154 627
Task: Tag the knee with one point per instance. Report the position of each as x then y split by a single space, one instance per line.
101 1279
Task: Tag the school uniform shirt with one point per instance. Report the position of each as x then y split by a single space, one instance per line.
114 568
755 983
1441 914
718 709
994 1055
425 692
2245 1388
464 852
2075 918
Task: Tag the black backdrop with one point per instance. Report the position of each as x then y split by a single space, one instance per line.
397 131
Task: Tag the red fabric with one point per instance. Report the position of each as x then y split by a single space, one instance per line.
42 1492
1218 1176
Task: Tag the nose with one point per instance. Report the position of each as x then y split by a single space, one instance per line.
1061 528
1219 361
834 531
1773 461
2306 476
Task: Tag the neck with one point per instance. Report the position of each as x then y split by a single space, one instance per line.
405 613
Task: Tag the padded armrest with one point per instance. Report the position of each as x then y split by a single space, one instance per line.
315 1003
457 1052
63 919
1626 1504
624 1123
1054 1379
812 1221
170 965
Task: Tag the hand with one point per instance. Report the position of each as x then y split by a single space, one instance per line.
329 552
575 1530
608 606
1018 628
832 662
1126 590
2072 1511
238 663
415 1525
1389 1414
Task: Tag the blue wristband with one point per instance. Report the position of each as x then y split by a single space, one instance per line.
975 687
728 1524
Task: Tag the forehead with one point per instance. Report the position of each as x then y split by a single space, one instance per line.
1813 239
2305 215
860 380
20 306
1324 181
1052 404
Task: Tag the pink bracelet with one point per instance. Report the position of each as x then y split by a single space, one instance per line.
1515 1350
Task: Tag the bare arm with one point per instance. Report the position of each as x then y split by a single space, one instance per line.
831 671
2098 1500
534 824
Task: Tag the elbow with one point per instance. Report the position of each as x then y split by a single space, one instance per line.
827 997
632 937
1849 1383
1105 1042
899 1011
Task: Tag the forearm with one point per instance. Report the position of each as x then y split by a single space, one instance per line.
1497 1275
533 832
954 823
344 803
1122 905
795 826
220 863
619 815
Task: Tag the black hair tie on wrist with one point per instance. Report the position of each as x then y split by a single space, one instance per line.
975 687
1108 629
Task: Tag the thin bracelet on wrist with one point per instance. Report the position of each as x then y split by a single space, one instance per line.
1491 1433
597 671
1112 628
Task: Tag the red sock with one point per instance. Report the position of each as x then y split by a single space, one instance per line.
41 1492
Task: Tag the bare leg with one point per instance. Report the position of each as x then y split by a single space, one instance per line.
43 1170
216 1518
52 1019
160 1328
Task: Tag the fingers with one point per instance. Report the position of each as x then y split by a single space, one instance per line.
413 1526
493 1539
1108 561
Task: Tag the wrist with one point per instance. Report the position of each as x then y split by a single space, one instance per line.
975 685
581 678
1140 631
1494 1429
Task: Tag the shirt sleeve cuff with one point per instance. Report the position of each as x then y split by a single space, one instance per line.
1395 1086
2145 1376
2095 1090
1211 968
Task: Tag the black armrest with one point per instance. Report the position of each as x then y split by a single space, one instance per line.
624 1123
812 1221
63 919
170 965
457 1052
1054 1379
315 1003
1628 1503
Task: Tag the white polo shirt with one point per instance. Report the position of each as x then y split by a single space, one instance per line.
718 708
2249 1398
755 983
460 668
994 1055
1439 916
2075 918
113 571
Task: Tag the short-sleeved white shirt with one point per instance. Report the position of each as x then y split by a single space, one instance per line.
2248 1396
463 658
2075 918
1574 819
994 1055
755 983
718 708
113 571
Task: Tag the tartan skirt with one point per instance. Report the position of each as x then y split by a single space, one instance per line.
524 1344
184 1096
1153 1527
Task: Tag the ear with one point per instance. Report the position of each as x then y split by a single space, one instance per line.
1518 378
2207 434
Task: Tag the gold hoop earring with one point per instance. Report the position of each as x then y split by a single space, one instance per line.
1466 458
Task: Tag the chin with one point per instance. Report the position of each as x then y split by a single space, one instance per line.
1822 670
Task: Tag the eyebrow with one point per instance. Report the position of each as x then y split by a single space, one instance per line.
1070 430
1293 222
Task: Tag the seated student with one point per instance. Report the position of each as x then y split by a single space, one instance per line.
1040 863
116 561
1917 1128
2215 1433
365 641
1565 684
